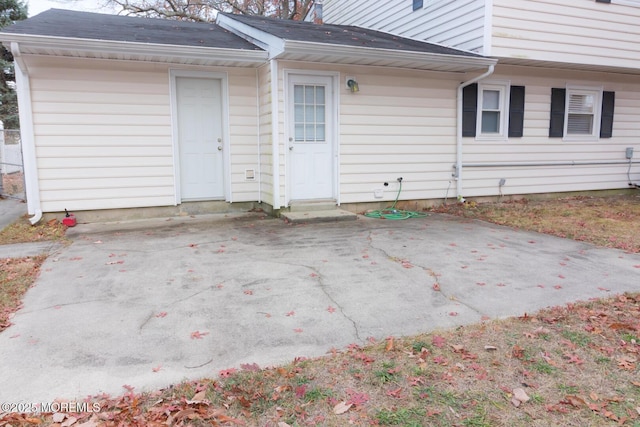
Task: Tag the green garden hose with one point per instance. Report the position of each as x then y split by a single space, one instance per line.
392 213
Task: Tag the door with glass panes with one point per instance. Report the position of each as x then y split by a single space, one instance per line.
310 129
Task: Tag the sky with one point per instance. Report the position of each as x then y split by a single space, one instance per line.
37 6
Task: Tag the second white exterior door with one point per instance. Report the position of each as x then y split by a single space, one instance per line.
200 133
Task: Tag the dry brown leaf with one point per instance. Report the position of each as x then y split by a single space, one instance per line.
389 346
341 408
594 396
521 395
575 401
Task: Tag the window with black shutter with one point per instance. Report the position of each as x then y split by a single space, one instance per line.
581 113
484 112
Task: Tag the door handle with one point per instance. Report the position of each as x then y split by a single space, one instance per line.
219 147
291 148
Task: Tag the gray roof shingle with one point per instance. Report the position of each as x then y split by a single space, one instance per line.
97 26
345 35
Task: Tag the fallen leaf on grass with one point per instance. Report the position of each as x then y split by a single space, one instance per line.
225 373
519 396
389 345
341 408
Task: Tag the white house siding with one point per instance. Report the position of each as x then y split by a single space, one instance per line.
400 124
458 23
103 133
535 146
573 31
244 131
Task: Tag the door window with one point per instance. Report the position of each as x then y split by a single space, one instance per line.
309 105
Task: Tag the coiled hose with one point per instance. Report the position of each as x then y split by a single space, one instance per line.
392 213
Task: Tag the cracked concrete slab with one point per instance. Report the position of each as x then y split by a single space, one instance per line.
154 302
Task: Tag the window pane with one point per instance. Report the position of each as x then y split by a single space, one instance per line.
299 113
309 133
298 94
490 100
309 113
309 97
580 124
320 132
320 114
490 122
581 103
299 132
320 95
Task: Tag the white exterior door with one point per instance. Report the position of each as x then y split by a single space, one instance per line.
310 130
200 132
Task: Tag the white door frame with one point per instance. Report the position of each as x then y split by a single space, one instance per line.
334 135
226 150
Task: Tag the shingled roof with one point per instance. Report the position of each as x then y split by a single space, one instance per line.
97 26
344 35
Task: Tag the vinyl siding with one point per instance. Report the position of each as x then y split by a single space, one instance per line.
103 133
400 123
571 31
458 23
536 147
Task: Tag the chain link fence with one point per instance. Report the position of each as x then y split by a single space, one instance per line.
11 166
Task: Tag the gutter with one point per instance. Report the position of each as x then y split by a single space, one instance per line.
23 90
91 47
457 174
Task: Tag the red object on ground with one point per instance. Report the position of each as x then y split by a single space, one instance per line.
69 221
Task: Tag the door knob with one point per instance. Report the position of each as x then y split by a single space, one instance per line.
291 148
219 147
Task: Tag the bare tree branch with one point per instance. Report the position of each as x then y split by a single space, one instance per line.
204 10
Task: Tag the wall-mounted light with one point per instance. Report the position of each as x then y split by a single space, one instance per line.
352 84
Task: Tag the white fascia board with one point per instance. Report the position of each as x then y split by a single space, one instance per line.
132 48
358 52
273 44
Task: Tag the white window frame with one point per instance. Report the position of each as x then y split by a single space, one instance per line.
596 92
503 88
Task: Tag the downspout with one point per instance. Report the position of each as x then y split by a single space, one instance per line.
25 113
275 137
259 136
458 171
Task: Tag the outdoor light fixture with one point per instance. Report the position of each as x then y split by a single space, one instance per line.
352 84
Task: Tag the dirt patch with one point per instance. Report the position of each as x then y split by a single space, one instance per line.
12 184
605 221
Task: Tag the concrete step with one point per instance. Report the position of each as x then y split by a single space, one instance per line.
315 216
312 205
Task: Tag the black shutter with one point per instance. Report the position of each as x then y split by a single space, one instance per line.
606 121
516 112
556 123
469 109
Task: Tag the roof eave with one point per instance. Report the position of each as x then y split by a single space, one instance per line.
361 55
90 48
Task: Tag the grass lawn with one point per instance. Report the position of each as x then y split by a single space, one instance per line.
564 366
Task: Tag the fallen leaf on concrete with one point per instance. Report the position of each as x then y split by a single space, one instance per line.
197 335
